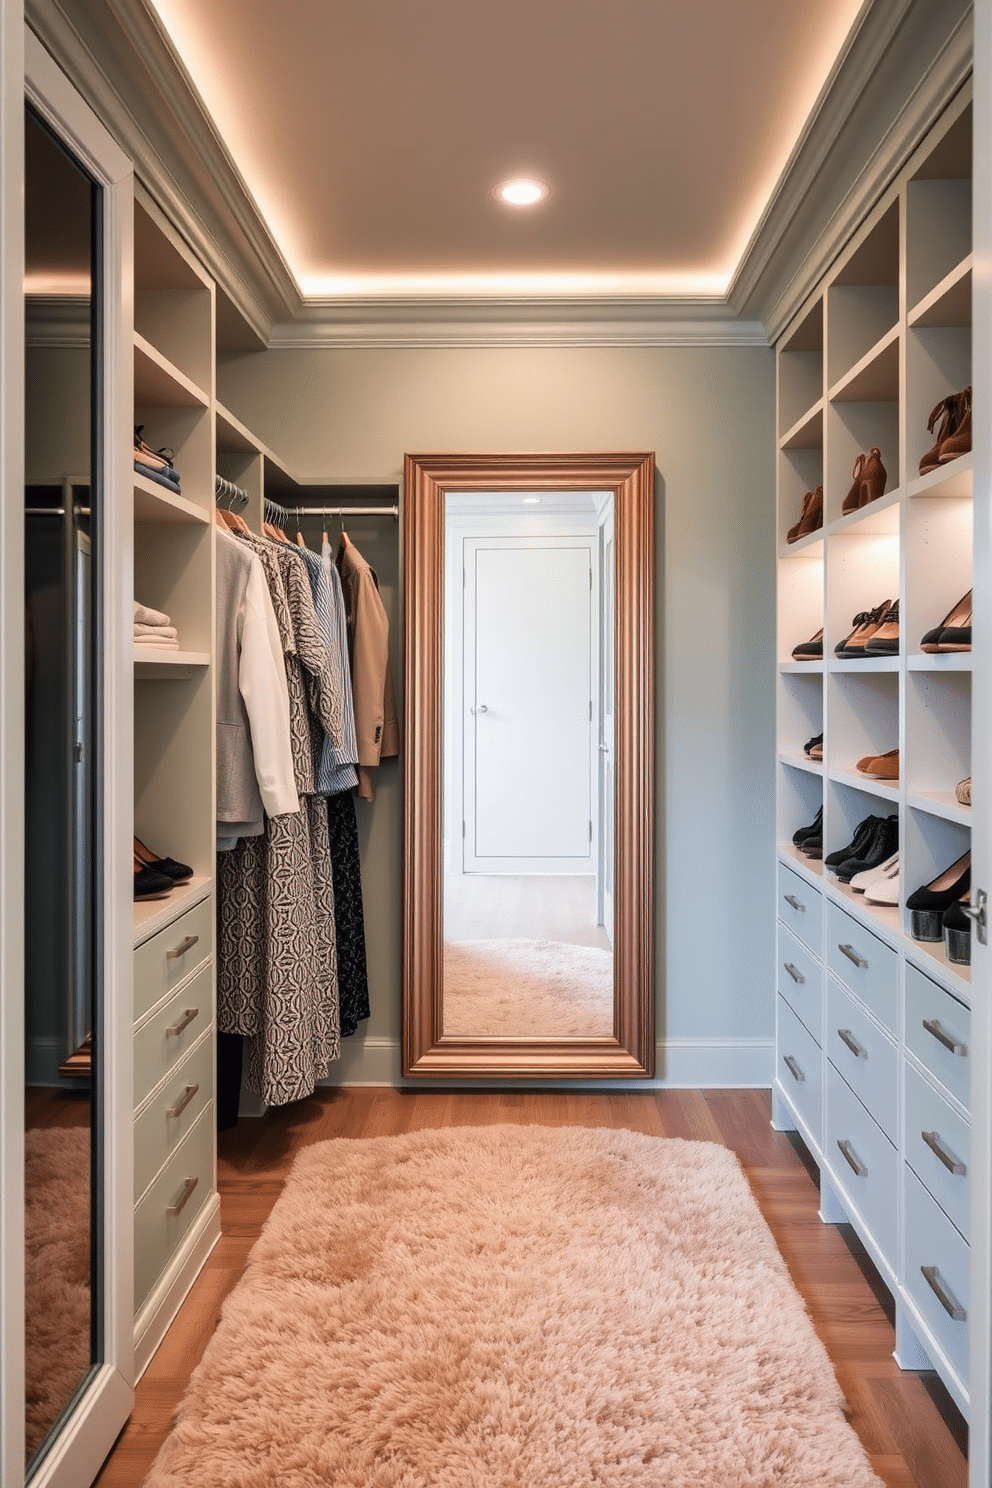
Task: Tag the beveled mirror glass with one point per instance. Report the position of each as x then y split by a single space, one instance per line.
489 584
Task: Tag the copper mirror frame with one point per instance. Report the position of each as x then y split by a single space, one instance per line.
427 1050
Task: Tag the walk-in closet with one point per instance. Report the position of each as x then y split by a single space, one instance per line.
495 689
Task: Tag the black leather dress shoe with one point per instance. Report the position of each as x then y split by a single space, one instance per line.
862 834
882 843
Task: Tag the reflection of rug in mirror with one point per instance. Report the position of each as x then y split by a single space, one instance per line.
520 1306
533 988
57 1272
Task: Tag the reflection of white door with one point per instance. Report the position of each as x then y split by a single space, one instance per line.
528 725
606 855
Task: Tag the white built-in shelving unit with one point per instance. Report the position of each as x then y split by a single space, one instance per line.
873 1027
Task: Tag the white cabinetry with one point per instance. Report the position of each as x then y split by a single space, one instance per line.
873 1026
176 1213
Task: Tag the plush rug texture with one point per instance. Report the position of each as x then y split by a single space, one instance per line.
514 1307
57 1273
542 988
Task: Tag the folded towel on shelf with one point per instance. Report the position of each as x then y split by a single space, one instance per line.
159 643
155 632
145 615
167 477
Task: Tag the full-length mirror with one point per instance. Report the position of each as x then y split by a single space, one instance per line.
529 781
62 775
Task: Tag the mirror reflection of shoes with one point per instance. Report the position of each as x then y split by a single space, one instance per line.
149 884
175 872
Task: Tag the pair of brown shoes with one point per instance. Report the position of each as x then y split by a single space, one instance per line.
868 481
954 436
810 518
954 631
875 633
880 766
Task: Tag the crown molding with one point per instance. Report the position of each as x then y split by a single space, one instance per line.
119 57
57 321
539 321
904 64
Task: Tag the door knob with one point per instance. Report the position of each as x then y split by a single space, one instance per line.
481 709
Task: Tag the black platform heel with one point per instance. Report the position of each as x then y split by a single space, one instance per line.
928 904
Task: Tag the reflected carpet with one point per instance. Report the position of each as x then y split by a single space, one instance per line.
540 988
56 1273
518 1306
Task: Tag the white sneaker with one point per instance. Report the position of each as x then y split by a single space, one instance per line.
864 880
884 890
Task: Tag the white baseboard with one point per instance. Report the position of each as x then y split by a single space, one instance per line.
682 1064
158 1312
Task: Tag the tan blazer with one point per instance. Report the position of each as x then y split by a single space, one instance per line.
372 685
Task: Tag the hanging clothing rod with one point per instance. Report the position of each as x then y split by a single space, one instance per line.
331 511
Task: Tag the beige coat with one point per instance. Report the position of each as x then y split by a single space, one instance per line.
368 634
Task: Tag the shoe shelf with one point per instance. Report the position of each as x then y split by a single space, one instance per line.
884 340
153 915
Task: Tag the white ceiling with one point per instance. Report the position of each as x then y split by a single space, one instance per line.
371 133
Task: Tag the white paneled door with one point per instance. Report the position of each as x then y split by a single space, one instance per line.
528 726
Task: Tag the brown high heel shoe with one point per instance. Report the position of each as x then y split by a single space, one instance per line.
954 631
810 518
958 441
873 476
853 498
948 410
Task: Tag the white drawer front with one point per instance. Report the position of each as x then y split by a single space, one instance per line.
938 1147
182 1186
868 1060
171 1032
800 907
934 1243
168 957
171 1113
863 963
938 1030
862 1162
799 1069
800 981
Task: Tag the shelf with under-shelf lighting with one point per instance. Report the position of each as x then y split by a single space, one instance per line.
939 661
955 480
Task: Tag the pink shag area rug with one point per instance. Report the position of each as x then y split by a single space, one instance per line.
57 1273
540 988
514 1307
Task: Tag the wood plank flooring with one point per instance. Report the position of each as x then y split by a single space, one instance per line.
907 1422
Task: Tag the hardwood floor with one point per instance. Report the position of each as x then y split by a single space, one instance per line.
907 1422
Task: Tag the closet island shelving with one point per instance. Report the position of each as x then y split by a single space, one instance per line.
176 1213
873 1026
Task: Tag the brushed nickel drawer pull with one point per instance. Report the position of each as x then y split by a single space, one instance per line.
178 1110
944 1296
847 1037
184 1021
933 1027
852 955
184 1197
796 975
793 1068
182 948
852 1157
791 899
951 1163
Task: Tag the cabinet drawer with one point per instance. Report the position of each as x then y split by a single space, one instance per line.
170 1114
171 1032
863 963
938 1030
938 1146
862 1162
168 957
868 1061
799 1069
800 907
800 980
934 1243
157 1232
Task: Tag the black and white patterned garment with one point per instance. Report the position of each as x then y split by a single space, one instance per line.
277 962
349 916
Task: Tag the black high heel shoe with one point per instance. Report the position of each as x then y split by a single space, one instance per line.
927 905
809 840
957 934
176 873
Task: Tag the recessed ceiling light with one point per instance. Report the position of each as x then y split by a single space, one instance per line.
532 501
521 192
